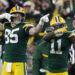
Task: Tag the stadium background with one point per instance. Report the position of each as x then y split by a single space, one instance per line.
65 8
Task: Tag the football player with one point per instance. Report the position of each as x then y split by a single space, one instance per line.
16 36
58 43
40 58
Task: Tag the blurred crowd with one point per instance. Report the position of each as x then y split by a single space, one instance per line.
34 9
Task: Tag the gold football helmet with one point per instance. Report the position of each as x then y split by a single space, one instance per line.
58 22
17 9
19 14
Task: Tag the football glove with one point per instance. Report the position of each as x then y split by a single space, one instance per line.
44 19
6 16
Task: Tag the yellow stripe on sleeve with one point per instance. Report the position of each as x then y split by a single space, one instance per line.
71 35
28 25
44 55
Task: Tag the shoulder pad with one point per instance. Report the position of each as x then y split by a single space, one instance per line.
41 34
28 25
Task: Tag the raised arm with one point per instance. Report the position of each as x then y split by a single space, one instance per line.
48 36
51 35
38 28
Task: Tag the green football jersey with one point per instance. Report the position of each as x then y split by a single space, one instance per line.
15 43
58 51
40 58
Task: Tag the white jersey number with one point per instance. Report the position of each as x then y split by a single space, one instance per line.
59 47
9 34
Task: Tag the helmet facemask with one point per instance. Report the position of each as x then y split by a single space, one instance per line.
17 18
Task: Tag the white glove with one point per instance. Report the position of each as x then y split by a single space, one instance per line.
6 16
44 19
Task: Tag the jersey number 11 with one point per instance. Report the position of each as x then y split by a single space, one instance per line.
58 51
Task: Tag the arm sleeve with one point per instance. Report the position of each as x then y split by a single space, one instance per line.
47 37
36 61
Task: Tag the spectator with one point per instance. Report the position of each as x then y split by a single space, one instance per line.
12 3
32 15
3 6
45 7
37 4
66 11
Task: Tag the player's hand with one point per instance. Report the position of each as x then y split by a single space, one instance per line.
44 19
6 16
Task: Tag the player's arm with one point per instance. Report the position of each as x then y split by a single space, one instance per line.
48 36
51 35
72 37
38 27
36 61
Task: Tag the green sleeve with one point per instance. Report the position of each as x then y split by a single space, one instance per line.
37 57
